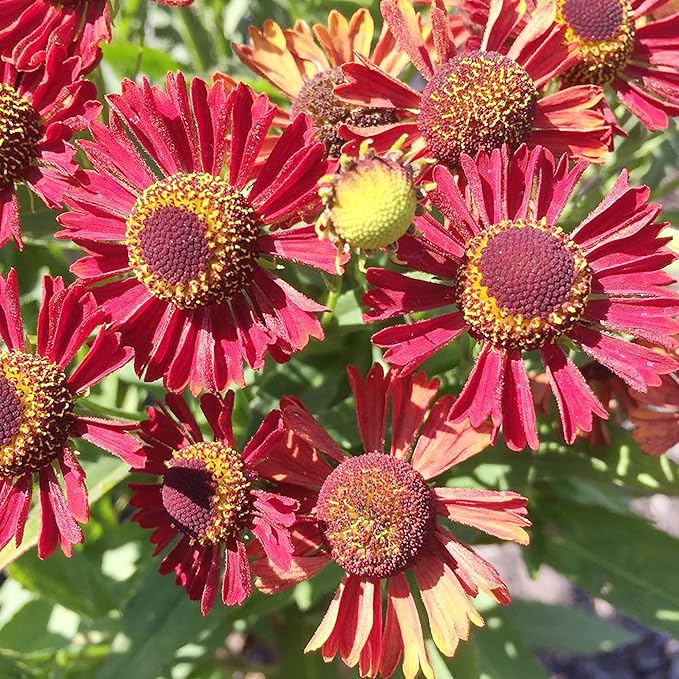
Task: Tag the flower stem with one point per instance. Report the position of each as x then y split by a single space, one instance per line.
334 286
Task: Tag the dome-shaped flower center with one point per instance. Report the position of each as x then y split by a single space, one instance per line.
604 31
523 284
476 101
20 131
328 112
371 204
206 492
191 240
377 514
35 412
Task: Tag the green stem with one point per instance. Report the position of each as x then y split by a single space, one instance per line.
334 285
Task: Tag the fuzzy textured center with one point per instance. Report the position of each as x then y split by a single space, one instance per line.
377 514
476 101
20 131
527 271
593 19
605 33
328 112
36 413
191 240
206 492
523 283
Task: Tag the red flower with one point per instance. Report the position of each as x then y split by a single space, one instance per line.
39 411
654 415
480 99
39 112
209 495
377 517
176 244
624 48
631 46
304 64
28 26
519 282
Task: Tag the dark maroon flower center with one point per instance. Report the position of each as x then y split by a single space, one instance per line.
593 19
192 240
523 283
35 413
377 514
174 246
206 492
476 101
20 131
328 112
604 31
11 411
527 271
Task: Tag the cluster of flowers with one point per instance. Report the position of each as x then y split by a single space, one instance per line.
196 195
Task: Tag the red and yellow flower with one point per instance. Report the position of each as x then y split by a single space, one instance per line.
377 517
39 112
180 240
209 496
480 99
304 64
628 46
506 270
40 415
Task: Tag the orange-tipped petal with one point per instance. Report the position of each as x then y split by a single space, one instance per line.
498 513
414 653
269 56
448 607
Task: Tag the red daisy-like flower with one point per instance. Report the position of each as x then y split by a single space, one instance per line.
518 282
377 517
304 64
631 46
623 47
39 411
28 26
39 112
176 244
479 99
209 495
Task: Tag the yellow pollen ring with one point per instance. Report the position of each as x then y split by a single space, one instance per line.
191 240
229 503
20 131
602 59
46 413
491 321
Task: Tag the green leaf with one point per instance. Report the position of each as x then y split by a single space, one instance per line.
160 619
76 583
622 559
502 651
566 628
128 60
35 615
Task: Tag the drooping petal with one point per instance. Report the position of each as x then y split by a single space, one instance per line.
498 513
237 585
574 398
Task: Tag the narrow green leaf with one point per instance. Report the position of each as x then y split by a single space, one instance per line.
566 628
